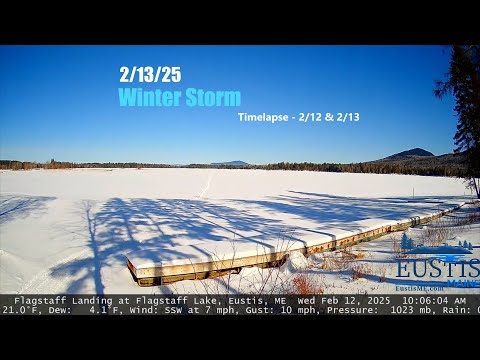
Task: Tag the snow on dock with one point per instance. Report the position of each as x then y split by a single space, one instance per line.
210 259
70 231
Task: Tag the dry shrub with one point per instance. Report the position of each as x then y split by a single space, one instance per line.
337 260
445 228
396 245
469 218
347 255
360 255
436 235
473 217
359 271
305 285
382 273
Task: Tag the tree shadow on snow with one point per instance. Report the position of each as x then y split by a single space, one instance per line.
21 206
165 226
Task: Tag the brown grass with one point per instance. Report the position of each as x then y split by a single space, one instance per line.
360 255
468 219
359 271
304 285
382 273
445 228
396 245
436 234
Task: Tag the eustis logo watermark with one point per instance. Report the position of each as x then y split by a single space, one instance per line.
439 262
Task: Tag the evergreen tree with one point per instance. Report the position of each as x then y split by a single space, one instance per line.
463 81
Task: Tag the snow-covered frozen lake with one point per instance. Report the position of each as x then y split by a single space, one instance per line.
67 231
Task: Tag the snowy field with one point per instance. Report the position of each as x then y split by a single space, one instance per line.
67 231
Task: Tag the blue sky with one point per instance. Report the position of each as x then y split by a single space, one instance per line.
62 102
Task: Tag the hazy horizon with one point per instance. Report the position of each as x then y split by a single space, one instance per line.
200 163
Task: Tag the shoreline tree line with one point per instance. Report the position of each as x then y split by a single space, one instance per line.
377 167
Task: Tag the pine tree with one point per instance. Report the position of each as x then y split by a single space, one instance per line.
463 82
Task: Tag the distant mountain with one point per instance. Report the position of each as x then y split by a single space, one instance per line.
409 154
420 158
232 163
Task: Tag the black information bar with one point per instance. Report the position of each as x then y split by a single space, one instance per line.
240 304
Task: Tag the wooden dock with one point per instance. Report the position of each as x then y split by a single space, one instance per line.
148 272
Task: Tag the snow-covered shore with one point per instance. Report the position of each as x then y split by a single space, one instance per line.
67 231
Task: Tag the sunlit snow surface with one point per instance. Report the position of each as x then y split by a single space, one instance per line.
67 231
